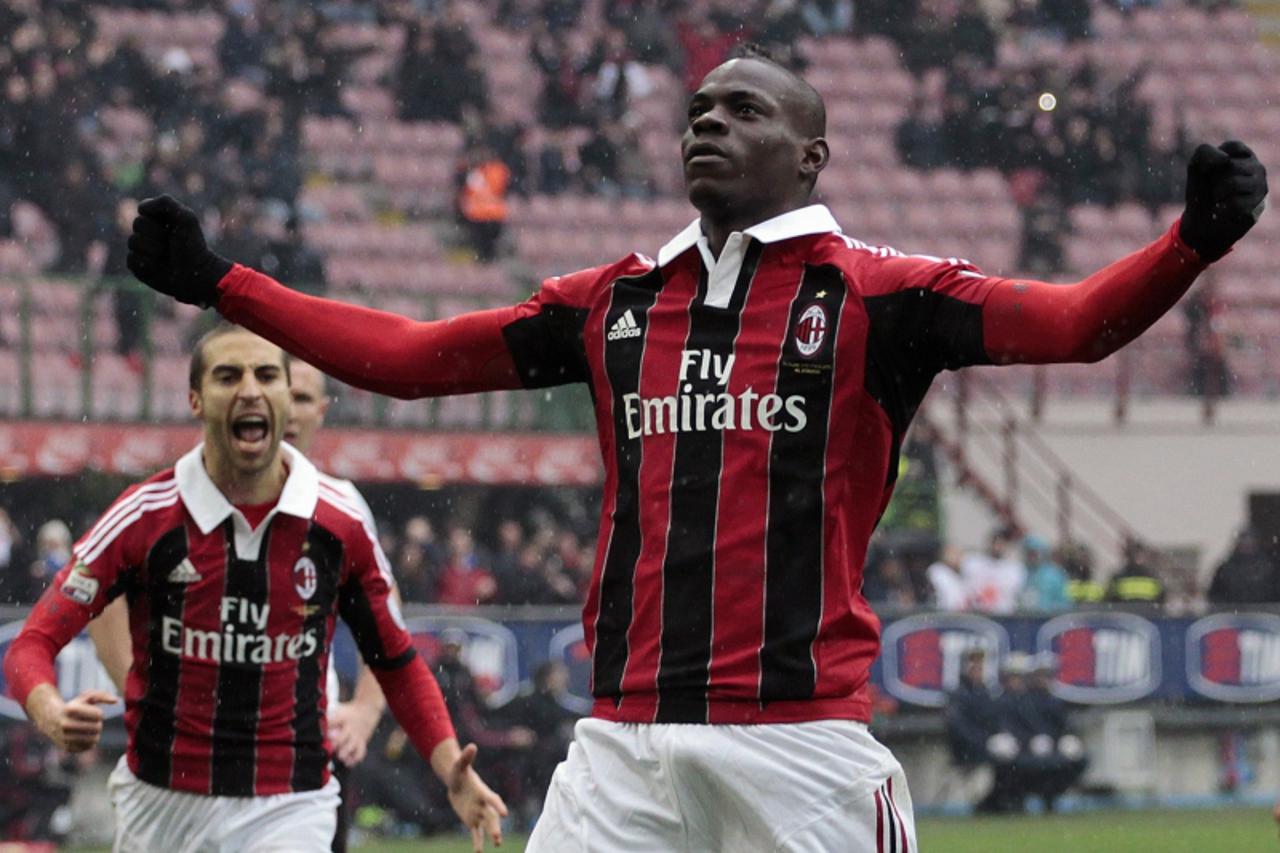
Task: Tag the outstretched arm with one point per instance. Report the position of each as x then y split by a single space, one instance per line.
1032 322
381 352
370 349
1038 323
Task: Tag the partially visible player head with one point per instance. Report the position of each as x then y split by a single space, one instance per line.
310 402
240 392
754 144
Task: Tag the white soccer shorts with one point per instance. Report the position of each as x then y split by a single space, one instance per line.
150 818
819 787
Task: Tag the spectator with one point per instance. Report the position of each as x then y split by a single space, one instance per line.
1138 581
1008 746
620 78
542 710
949 589
1046 580
1247 575
506 555
439 74
827 17
465 579
1077 561
536 581
887 582
420 561
505 746
1044 224
482 199
975 735
647 24
12 584
1208 373
561 103
1054 757
919 138
704 44
612 164
53 551
995 577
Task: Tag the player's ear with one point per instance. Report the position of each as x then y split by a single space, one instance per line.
816 156
197 404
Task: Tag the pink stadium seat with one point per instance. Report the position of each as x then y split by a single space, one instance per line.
116 390
10 383
55 386
169 383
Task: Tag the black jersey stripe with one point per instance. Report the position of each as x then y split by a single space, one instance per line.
622 361
153 738
233 764
688 570
797 470
324 549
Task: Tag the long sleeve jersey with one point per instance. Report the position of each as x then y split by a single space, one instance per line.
750 408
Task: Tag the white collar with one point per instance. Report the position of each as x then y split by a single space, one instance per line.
209 507
814 219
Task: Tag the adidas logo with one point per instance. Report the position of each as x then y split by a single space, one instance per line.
624 327
184 572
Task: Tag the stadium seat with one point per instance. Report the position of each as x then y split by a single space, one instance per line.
56 386
115 389
10 384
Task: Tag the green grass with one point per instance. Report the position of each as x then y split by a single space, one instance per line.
1234 830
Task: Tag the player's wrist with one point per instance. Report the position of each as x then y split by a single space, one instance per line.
44 708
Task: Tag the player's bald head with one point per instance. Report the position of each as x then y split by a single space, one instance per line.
804 106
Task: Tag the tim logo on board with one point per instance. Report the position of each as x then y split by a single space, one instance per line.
921 655
1103 658
1235 657
489 649
78 671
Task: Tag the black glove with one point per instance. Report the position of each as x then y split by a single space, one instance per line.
167 252
1226 192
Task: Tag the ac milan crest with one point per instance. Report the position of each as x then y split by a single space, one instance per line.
305 578
811 330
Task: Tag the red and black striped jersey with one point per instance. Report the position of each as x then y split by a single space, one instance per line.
231 626
750 410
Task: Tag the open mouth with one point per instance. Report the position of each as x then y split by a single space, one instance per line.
251 432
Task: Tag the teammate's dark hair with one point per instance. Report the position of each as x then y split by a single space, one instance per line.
198 365
811 112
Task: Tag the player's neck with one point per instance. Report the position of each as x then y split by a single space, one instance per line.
717 225
248 488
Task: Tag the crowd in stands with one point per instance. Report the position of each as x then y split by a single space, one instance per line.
1063 128
1024 573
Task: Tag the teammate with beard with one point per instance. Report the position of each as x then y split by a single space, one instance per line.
235 563
351 723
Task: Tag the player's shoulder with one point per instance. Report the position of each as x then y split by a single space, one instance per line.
152 493
876 268
341 509
348 492
582 285
337 485
136 509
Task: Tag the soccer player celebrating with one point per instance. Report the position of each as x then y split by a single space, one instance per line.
351 723
751 387
235 563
